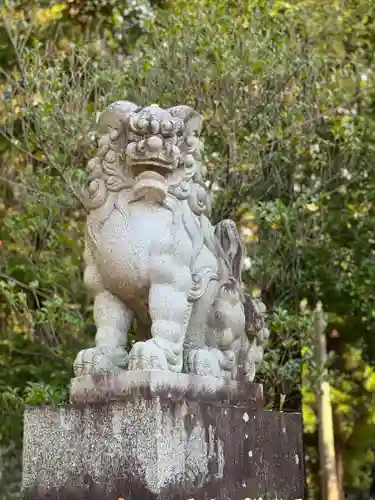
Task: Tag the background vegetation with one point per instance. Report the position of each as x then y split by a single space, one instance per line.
287 92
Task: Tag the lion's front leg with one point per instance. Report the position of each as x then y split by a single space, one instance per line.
113 320
109 355
168 303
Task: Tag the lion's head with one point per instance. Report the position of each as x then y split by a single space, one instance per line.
151 151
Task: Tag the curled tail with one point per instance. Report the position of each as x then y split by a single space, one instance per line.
232 253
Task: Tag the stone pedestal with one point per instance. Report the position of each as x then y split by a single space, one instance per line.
138 436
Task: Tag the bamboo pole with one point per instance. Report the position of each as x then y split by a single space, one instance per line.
327 460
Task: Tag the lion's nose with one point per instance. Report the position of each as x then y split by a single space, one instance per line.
154 144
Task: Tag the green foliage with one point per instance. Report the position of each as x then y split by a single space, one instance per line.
105 25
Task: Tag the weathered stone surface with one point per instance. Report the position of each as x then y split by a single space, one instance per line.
154 447
150 384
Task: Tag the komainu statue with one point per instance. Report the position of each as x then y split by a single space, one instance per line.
153 257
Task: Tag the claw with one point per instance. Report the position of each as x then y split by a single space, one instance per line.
147 356
100 360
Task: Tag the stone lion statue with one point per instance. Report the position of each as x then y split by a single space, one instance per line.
153 257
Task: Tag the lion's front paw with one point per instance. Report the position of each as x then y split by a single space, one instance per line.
147 356
100 361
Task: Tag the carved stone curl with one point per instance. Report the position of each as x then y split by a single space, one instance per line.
153 256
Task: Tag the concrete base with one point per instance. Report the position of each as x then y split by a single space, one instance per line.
163 445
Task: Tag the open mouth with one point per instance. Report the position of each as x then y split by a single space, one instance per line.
157 165
138 162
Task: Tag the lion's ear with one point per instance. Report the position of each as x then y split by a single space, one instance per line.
114 115
193 121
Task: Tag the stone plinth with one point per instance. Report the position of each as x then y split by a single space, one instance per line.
191 438
152 384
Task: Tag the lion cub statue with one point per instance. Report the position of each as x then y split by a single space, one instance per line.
153 257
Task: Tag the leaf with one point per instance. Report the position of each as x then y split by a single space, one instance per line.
312 207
